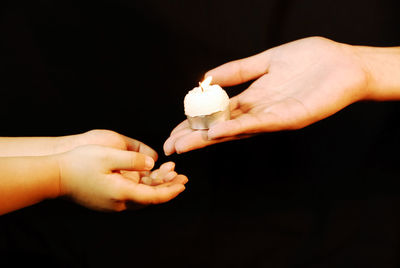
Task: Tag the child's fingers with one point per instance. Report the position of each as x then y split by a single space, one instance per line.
170 176
145 194
179 179
146 180
128 160
155 174
145 173
168 166
138 146
164 170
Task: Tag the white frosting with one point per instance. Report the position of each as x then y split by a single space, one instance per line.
206 99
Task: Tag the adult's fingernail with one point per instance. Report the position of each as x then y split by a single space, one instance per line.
167 147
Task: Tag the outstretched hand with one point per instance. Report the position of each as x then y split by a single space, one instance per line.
98 169
108 179
296 84
104 170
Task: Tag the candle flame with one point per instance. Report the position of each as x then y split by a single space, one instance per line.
205 83
202 89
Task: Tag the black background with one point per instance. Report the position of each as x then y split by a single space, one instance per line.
323 196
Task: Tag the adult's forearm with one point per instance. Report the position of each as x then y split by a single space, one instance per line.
382 66
25 181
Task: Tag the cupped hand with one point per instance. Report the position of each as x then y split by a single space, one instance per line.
155 177
296 84
109 179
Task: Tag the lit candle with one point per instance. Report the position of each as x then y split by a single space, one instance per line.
206 105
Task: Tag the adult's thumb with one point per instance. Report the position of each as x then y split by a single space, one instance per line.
240 71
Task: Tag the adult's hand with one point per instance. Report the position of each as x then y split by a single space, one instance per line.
296 84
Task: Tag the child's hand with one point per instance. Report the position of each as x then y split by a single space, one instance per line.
159 176
100 178
103 137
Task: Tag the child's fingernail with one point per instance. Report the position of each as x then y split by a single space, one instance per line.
170 176
154 174
168 166
149 162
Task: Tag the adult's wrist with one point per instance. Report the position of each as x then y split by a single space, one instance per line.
381 66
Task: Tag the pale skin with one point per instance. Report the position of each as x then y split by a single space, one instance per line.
296 84
99 169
